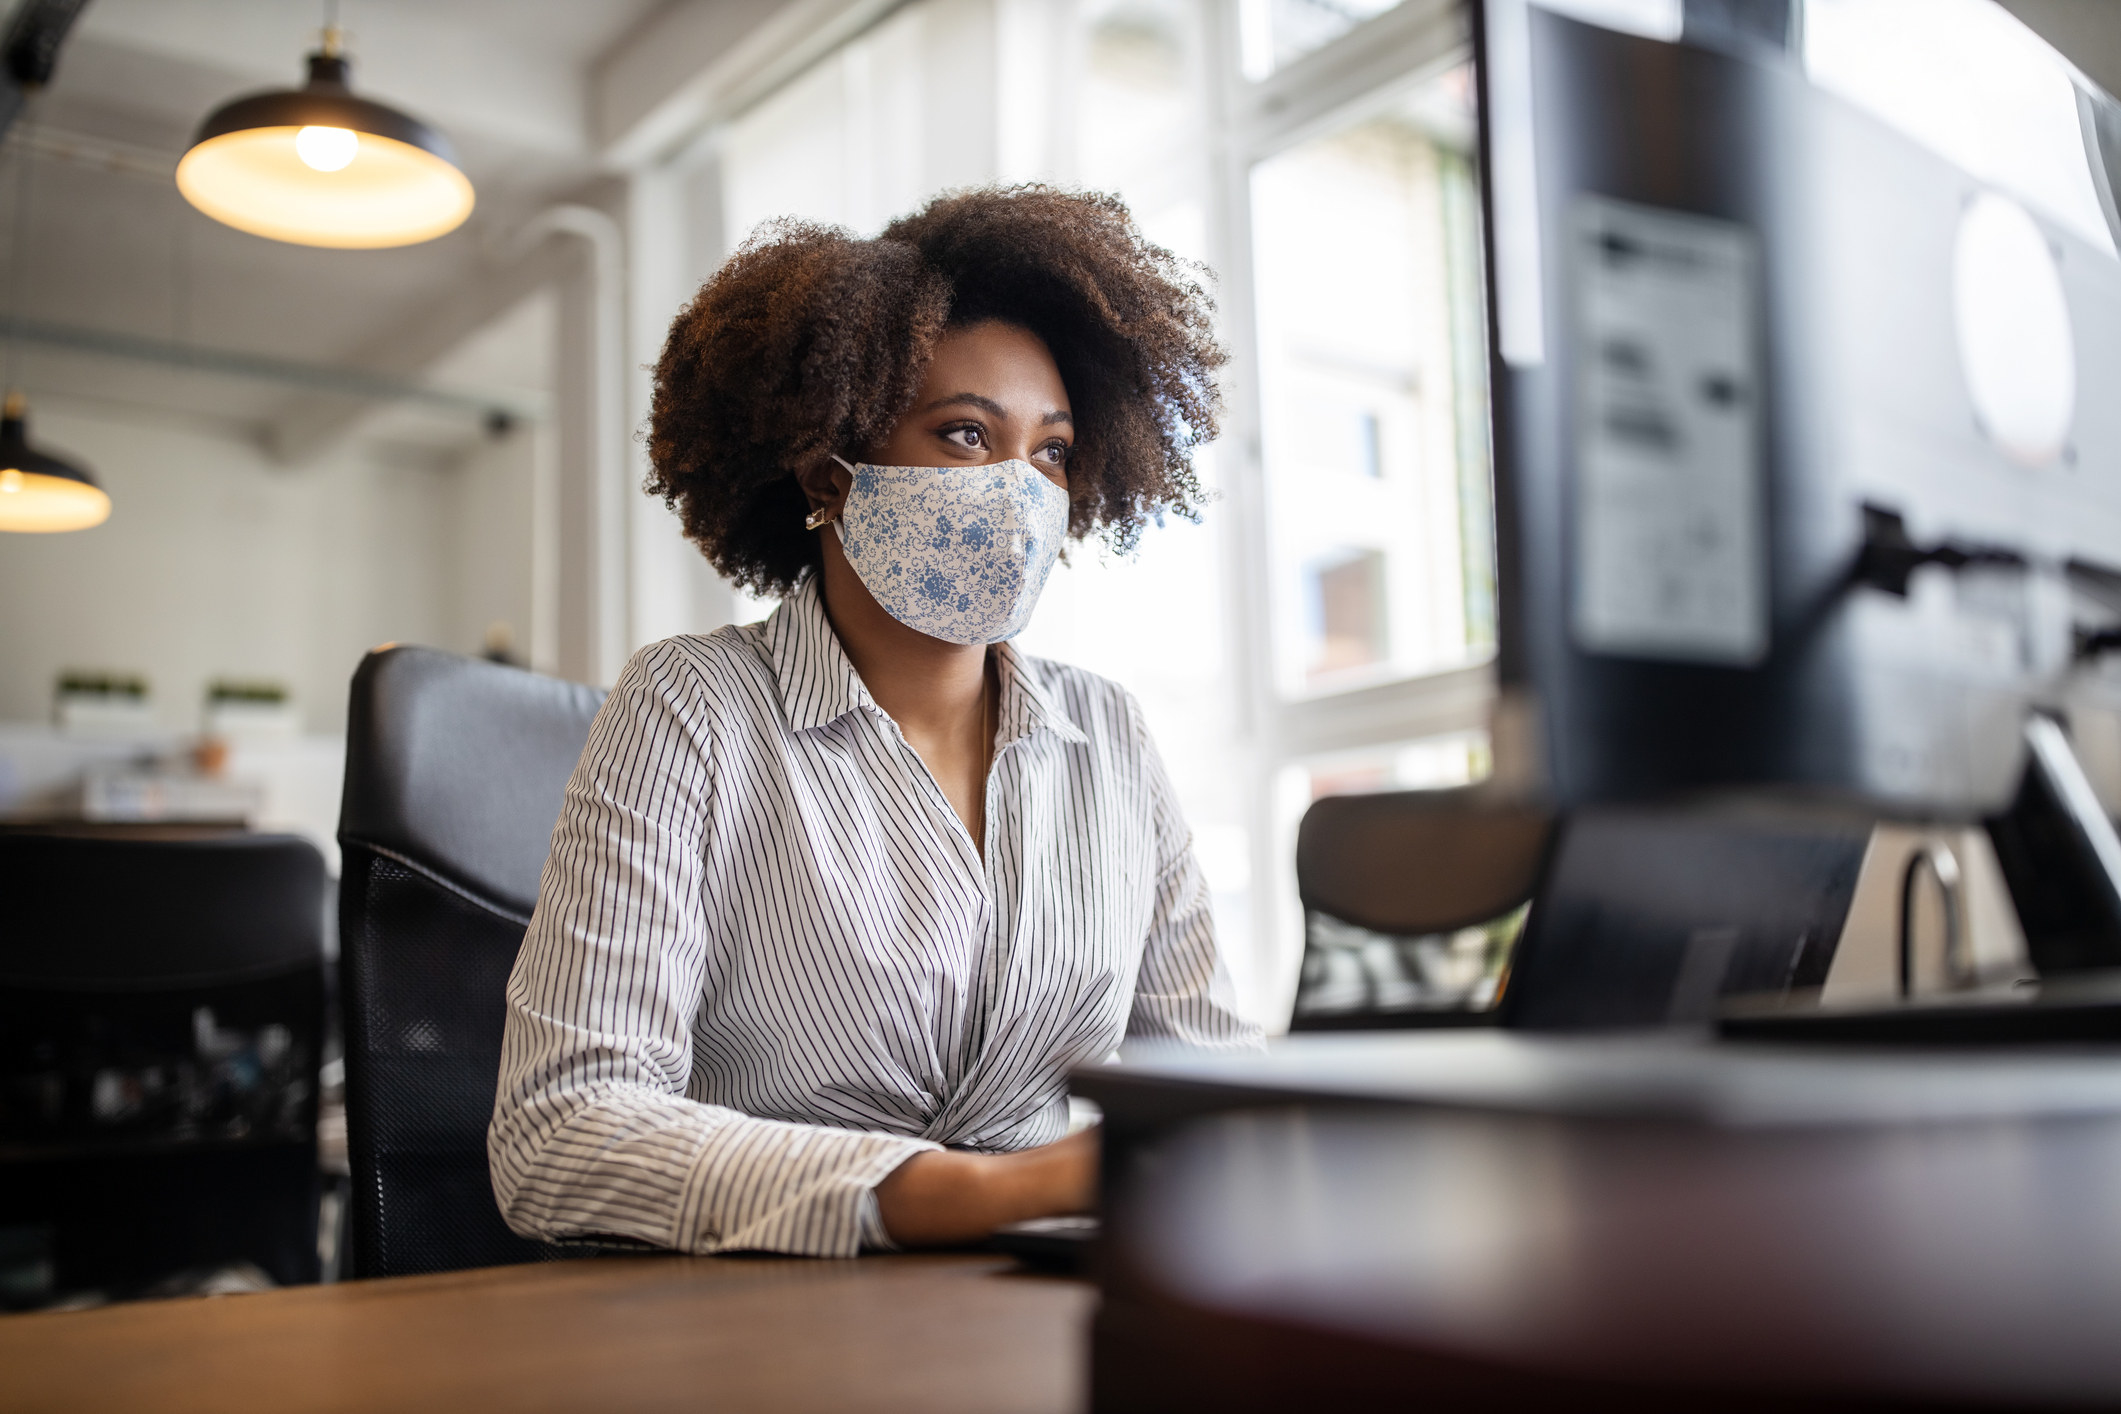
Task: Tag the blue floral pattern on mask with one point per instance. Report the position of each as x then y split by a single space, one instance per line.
959 552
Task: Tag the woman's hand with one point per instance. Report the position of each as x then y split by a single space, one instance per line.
943 1196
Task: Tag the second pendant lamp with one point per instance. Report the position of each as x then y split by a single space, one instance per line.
319 166
40 491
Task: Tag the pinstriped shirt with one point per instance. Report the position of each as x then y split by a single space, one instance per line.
768 963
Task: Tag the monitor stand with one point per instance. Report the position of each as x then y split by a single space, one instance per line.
2061 859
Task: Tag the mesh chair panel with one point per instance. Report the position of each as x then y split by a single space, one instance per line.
455 772
426 971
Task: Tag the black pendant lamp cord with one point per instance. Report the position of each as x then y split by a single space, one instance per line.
18 254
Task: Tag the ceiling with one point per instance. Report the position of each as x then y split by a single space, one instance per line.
526 90
110 247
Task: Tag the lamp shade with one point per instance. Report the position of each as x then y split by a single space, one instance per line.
38 491
318 166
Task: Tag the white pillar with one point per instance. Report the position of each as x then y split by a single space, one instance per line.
589 406
671 587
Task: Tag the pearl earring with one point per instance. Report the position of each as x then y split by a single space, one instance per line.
816 518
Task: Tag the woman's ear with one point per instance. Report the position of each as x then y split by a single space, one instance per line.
825 485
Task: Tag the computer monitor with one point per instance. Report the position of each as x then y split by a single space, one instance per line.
1808 481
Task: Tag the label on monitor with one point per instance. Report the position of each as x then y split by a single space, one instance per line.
1671 552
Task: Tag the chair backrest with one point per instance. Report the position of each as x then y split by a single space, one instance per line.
1419 861
88 912
1384 877
161 1023
455 769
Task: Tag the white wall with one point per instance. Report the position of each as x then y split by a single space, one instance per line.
215 563
491 548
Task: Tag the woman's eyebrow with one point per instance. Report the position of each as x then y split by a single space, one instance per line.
984 404
988 405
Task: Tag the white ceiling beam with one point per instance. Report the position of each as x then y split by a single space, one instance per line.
307 426
700 62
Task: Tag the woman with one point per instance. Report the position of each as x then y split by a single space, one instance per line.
837 900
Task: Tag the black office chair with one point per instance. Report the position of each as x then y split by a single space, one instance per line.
161 1019
455 768
1386 879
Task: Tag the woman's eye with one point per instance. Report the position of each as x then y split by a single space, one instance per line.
970 438
1055 452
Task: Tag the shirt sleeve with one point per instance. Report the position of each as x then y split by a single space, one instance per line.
1184 992
592 1133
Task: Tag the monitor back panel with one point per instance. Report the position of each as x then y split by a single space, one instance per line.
1654 917
1742 333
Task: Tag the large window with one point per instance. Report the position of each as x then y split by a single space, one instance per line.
1275 33
1368 320
1326 626
1366 539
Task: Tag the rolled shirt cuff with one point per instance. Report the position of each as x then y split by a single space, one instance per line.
765 1185
875 1237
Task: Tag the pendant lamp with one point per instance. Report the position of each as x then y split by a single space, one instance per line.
319 166
38 491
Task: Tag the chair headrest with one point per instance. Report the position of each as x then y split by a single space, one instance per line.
459 765
1422 861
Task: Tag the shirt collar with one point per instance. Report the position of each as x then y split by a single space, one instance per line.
1026 705
819 684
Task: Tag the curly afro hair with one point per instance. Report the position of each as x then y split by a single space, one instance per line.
811 342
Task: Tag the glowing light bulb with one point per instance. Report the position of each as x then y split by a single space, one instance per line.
10 481
327 149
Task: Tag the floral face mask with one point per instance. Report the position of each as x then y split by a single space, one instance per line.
957 552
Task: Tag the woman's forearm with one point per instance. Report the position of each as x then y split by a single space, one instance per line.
942 1196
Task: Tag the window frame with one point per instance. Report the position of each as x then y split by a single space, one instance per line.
1366 70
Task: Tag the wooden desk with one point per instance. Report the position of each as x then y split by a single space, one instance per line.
930 1333
1503 1222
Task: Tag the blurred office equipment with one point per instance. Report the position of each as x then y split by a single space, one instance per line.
1464 907
152 778
1806 519
157 793
1798 501
1775 525
1652 917
455 768
161 1019
1760 533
